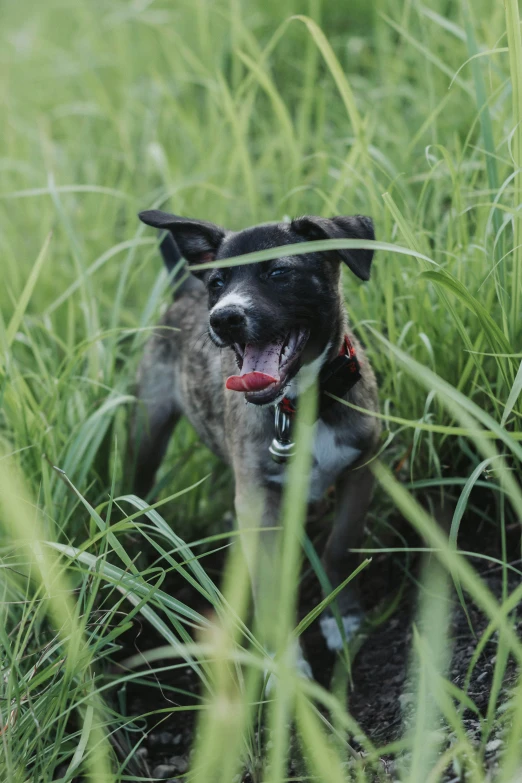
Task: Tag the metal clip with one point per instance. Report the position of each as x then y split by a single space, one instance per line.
282 447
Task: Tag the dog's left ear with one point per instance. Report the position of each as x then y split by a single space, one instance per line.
354 227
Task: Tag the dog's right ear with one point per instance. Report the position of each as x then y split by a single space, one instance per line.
197 240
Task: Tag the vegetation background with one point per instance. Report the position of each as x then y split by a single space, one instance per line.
240 112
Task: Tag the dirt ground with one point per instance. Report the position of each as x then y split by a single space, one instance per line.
379 697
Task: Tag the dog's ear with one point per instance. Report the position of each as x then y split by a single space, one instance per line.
197 240
355 227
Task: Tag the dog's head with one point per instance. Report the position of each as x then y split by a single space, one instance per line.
278 315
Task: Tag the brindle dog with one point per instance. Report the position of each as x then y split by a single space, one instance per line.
275 327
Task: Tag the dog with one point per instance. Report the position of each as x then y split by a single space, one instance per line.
275 327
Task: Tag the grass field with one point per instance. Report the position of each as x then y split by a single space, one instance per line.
242 112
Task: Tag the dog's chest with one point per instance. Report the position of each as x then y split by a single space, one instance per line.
329 459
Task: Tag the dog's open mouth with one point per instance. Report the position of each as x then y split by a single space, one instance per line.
266 369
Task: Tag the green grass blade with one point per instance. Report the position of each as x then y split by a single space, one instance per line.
514 394
21 307
515 64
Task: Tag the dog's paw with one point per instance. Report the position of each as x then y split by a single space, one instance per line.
331 633
302 667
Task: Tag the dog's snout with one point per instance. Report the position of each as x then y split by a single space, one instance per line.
228 322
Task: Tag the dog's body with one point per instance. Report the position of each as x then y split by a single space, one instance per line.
299 323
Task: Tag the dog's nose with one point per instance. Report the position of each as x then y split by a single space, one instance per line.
228 322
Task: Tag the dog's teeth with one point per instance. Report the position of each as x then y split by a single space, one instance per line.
289 348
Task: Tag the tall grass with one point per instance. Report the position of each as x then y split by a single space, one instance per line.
241 112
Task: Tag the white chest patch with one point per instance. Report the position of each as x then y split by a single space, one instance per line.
328 461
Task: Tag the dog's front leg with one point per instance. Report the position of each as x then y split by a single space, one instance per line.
353 495
258 510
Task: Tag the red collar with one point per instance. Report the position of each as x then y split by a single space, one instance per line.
337 377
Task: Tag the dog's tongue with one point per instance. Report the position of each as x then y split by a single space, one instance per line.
260 368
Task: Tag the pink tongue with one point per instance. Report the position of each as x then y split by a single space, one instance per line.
253 381
260 368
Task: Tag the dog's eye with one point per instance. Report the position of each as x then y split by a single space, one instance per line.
279 271
215 283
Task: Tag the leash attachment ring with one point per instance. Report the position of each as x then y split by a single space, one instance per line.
282 446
